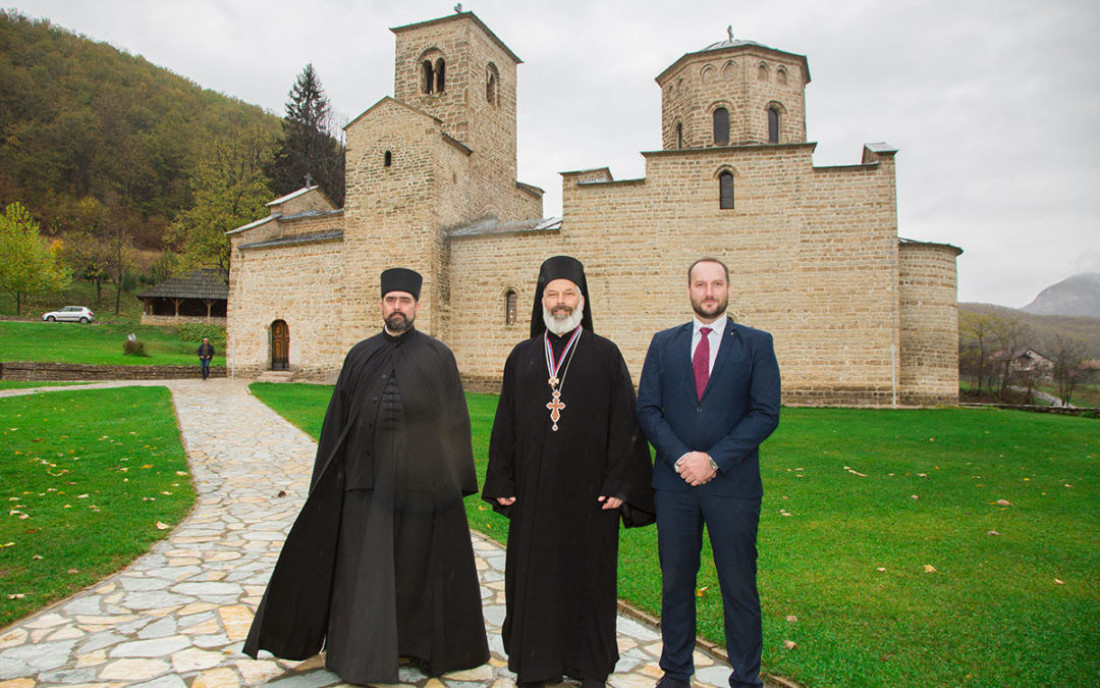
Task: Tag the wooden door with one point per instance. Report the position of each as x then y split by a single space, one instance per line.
280 345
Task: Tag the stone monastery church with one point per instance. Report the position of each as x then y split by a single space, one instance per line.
859 315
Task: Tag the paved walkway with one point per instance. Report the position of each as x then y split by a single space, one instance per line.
178 616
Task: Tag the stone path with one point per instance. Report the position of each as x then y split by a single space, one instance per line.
177 617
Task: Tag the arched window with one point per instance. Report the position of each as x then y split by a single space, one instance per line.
781 76
725 189
773 124
721 127
387 159
492 85
679 135
762 72
440 75
510 307
427 81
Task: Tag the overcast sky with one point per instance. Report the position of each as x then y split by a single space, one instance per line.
994 104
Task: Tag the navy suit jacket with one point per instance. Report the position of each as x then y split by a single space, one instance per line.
739 408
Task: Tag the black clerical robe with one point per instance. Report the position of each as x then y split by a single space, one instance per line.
379 564
562 547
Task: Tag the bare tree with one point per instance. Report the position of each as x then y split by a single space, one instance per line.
1068 354
1009 335
975 345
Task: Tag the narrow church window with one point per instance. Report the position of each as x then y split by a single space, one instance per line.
762 72
773 124
440 75
781 76
428 81
510 307
492 90
387 159
721 127
679 135
725 189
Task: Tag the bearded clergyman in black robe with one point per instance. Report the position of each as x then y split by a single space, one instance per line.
566 462
379 565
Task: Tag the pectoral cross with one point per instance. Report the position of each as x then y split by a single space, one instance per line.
555 407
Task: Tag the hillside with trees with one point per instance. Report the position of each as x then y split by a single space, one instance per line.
129 171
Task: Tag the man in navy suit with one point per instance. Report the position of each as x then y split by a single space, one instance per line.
709 395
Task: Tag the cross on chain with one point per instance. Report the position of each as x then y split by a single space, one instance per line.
555 407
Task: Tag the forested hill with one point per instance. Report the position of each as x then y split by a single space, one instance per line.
83 119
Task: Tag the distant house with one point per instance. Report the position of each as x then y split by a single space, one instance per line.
200 296
1026 361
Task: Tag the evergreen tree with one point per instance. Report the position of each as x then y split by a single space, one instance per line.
309 145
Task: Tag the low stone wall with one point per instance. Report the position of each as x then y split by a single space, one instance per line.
33 371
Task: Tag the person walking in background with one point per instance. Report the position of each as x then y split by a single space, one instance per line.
206 352
709 396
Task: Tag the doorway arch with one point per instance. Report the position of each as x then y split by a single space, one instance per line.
280 345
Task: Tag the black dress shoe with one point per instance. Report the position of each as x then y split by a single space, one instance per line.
667 681
593 683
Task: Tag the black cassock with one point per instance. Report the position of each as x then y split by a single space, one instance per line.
562 547
378 564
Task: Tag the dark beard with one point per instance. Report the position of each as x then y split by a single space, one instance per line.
398 323
720 308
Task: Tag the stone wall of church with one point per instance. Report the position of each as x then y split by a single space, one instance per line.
929 323
300 284
745 80
813 256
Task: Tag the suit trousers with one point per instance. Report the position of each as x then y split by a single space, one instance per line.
731 523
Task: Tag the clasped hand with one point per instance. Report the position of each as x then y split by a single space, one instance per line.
695 468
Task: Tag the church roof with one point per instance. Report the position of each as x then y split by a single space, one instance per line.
206 283
735 45
462 15
491 225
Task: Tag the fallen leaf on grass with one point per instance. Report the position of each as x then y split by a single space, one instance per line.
992 532
700 591
1059 582
790 644
71 571
1003 502
928 568
162 526
16 596
791 618
881 569
914 496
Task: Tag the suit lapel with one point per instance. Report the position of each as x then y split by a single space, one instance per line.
725 346
681 351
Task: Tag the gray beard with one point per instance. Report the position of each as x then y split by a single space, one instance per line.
560 326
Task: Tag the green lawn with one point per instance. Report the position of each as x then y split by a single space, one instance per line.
102 343
86 477
876 536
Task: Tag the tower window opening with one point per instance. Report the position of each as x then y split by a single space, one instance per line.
440 75
725 190
773 124
492 85
679 135
721 127
387 159
510 300
427 82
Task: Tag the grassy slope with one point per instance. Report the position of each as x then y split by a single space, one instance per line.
96 343
85 477
991 612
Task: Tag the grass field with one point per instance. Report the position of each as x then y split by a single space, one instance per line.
101 343
945 547
86 477
79 293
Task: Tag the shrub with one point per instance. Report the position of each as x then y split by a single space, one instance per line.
133 347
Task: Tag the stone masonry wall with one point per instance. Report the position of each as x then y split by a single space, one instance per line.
745 80
929 323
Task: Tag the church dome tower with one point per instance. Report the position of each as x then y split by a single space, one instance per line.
731 93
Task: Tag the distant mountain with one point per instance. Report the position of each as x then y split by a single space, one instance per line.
1045 329
1078 295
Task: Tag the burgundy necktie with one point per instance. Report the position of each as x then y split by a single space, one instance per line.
700 362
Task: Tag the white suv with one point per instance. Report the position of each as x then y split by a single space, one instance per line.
71 313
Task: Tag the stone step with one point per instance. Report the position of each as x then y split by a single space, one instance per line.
276 376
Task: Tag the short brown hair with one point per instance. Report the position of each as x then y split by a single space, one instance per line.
709 260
